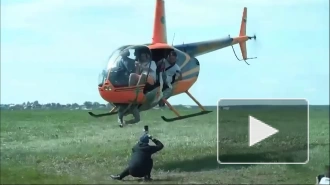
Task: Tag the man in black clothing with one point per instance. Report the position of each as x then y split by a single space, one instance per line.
141 162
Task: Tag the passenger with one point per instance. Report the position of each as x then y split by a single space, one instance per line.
145 71
170 68
123 110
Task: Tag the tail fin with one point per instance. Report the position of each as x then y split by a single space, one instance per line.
242 32
159 33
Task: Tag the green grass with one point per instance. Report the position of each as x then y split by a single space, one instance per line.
72 147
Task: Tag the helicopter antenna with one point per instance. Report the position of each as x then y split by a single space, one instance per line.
173 39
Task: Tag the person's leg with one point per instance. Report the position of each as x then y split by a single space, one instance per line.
150 80
148 170
161 103
142 79
120 117
133 79
161 86
136 115
121 112
168 82
122 175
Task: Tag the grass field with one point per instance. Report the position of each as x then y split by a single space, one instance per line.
72 147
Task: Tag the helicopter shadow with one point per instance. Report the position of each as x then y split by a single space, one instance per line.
207 163
154 180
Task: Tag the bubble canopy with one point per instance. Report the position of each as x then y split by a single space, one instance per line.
121 64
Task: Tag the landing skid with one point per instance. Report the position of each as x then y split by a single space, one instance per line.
101 115
112 112
179 117
185 117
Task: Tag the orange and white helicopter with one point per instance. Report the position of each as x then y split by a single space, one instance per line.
114 84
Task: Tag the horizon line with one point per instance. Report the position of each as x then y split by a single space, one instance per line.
177 104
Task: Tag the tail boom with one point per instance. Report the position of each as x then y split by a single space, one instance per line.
200 48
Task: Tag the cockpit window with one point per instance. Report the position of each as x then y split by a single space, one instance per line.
111 62
121 65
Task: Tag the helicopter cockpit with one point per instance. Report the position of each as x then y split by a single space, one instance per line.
121 64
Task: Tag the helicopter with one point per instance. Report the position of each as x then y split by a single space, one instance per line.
114 84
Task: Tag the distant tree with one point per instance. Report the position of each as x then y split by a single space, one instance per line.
74 105
36 105
88 104
46 106
15 107
68 105
102 106
96 104
58 105
109 106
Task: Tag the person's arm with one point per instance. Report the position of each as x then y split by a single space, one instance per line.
153 66
317 180
180 75
137 67
159 145
159 62
178 71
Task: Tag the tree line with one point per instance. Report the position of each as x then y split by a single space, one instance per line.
73 106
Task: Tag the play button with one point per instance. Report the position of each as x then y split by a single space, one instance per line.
259 131
262 131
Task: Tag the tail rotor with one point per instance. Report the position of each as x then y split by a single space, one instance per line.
241 40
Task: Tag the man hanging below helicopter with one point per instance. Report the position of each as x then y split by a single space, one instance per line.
145 70
124 110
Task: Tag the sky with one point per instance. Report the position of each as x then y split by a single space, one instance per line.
54 50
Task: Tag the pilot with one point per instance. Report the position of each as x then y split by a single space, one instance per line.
127 62
145 70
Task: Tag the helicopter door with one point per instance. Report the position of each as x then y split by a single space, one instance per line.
130 66
145 68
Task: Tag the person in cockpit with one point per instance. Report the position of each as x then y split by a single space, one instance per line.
145 70
170 68
127 63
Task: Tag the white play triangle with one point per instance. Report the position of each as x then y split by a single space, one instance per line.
259 131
